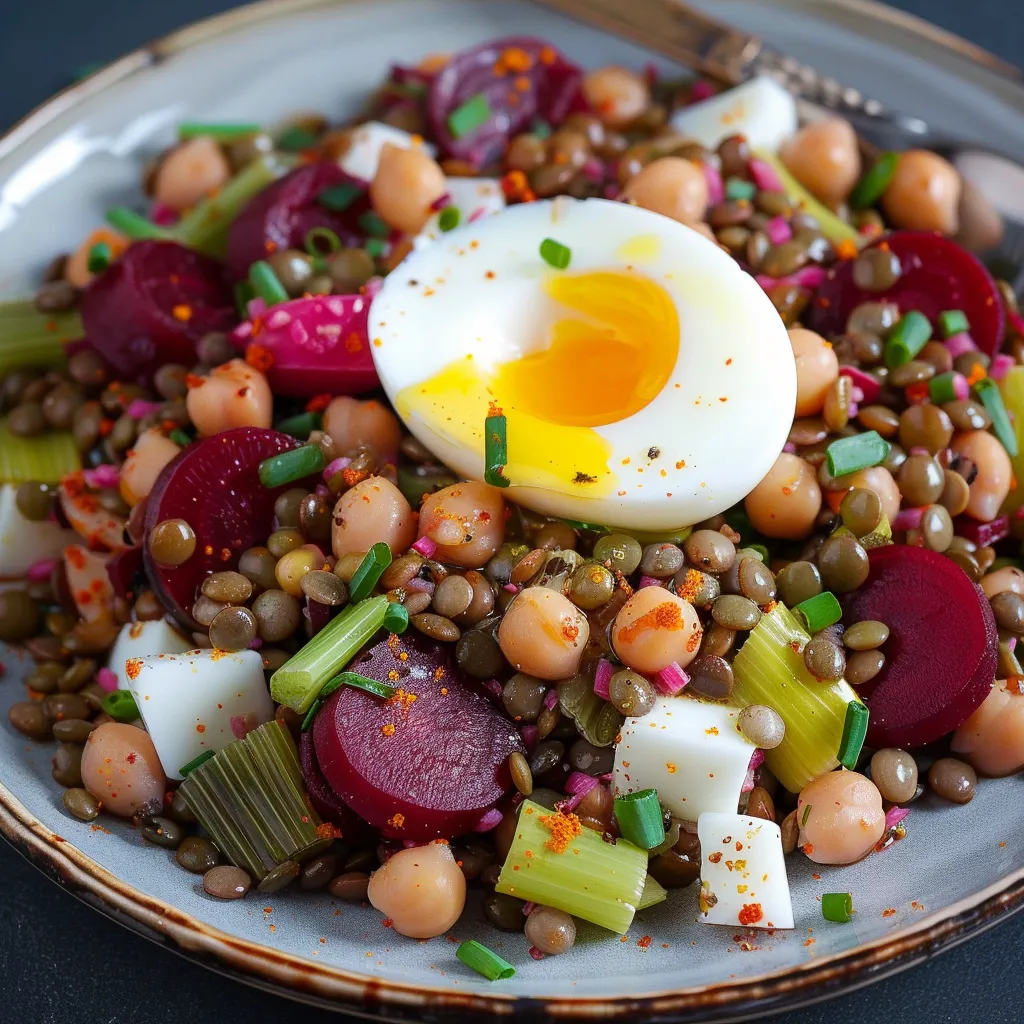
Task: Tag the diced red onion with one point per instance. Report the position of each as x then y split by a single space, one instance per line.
256 644
551 699
163 216
765 176
908 519
425 547
41 570
778 230
580 784
852 410
894 816
649 581
443 200
856 394
602 677
476 215
983 534
528 908
107 679
748 783
1001 366
716 189
612 190
1012 643
102 477
411 844
756 760
140 407
492 686
530 734
867 384
960 343
806 277
255 308
701 90
789 447
593 170
416 585
323 491
491 820
918 450
510 588
605 777
570 805
336 466
242 725
670 680
536 953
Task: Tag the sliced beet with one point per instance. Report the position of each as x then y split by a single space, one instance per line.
417 768
153 305
325 801
937 275
126 573
214 486
940 658
553 93
283 214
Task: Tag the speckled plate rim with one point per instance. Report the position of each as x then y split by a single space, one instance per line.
334 988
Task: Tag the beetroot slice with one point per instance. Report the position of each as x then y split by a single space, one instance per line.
214 486
553 93
153 305
443 765
283 214
941 651
937 275
325 801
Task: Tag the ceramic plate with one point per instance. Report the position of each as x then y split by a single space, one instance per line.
958 870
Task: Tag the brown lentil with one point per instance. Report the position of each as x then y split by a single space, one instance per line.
631 693
19 616
522 777
624 553
226 882
710 677
504 912
797 582
547 721
172 542
315 519
756 581
591 586
281 542
529 565
1008 609
894 772
824 659
233 629
967 415
718 640
866 635
700 590
756 249
416 602
808 431
876 269
45 677
936 527
591 760
762 725
863 666
257 565
72 730
81 804
710 551
735 612
324 587
204 611
966 561
953 780
437 627
228 587
67 764
925 426
452 596
163 832
545 756
838 398
920 479
680 866
478 654
278 615
35 500
843 564
317 873
523 697
26 420
760 804
551 931
878 417
661 560
914 372
956 492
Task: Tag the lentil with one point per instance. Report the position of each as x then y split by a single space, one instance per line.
824 659
661 560
762 725
894 772
624 553
522 777
233 629
953 780
710 550
228 587
735 612
866 635
282 876
545 756
197 855
551 931
278 615
81 804
504 912
843 564
172 542
863 666
226 882
711 677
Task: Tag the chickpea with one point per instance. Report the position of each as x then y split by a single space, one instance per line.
995 472
76 269
466 521
121 769
351 423
145 461
655 628
189 172
786 502
673 187
817 368
374 510
543 634
844 817
617 95
879 480
406 184
421 889
294 565
234 395
924 194
824 158
992 739
1009 578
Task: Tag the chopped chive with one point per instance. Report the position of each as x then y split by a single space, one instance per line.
121 706
219 132
397 618
133 225
448 219
837 906
186 769
640 819
266 284
469 116
378 248
244 294
948 387
33 338
859 451
907 338
311 714
496 450
296 139
298 682
555 254
737 188
953 321
373 225
339 197
300 426
358 682
855 730
871 186
316 236
653 894
805 815
99 258
292 465
819 612
484 961
178 436
374 562
991 397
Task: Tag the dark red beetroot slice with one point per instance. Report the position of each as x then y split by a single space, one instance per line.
444 764
214 486
282 215
153 305
554 93
937 275
940 658
325 801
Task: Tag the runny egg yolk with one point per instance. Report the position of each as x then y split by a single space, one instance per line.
601 366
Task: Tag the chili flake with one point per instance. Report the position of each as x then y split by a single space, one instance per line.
564 828
319 402
396 820
750 914
259 358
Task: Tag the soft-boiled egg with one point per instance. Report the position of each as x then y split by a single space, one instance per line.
648 384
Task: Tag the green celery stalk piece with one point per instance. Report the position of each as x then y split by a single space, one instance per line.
31 338
298 682
832 227
597 881
653 894
597 720
1012 389
769 669
46 458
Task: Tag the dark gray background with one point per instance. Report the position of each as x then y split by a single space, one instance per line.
61 962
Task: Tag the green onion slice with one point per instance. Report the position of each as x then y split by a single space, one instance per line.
737 188
555 254
373 225
484 961
849 454
837 906
266 284
133 225
448 219
991 397
311 714
339 197
222 132
469 116
907 338
244 294
870 187
99 258
378 248
358 682
292 465
820 612
178 436
296 139
495 450
186 769
321 242
301 425
374 562
640 819
396 618
953 321
121 706
855 730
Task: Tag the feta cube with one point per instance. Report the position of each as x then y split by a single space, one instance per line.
743 872
361 158
142 639
198 701
474 197
24 542
690 751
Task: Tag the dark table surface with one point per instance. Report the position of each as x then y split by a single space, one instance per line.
63 963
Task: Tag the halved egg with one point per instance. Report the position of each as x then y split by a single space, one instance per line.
648 384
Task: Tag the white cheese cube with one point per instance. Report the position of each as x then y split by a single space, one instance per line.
760 109
24 542
360 160
474 197
142 639
690 751
743 873
197 701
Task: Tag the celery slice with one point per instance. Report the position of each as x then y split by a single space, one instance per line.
597 720
298 682
205 226
45 458
769 669
1012 389
653 894
31 338
591 879
832 227
250 798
